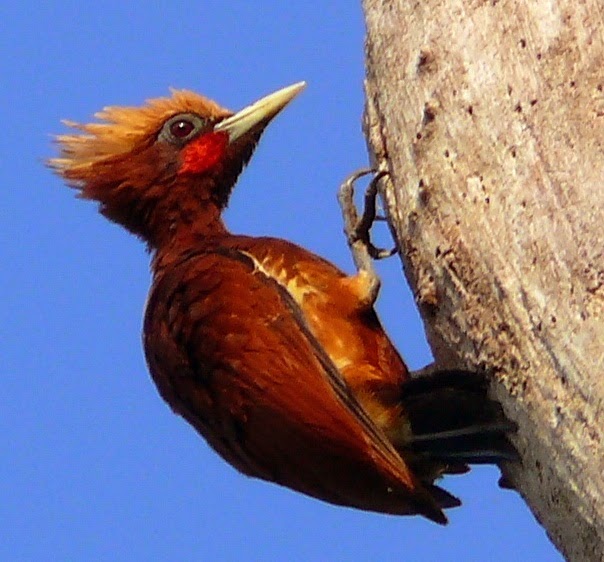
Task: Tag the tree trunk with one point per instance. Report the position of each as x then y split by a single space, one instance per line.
489 117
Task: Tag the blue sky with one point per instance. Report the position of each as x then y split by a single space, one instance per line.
93 465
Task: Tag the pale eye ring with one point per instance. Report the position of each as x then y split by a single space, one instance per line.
181 128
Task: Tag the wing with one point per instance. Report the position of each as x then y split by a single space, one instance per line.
230 351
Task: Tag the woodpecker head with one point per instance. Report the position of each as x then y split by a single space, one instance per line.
166 164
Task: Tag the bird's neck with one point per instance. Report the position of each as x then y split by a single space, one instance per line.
184 232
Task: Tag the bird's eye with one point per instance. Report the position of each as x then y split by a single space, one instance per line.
182 128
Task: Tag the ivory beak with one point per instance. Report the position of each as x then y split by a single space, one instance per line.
261 111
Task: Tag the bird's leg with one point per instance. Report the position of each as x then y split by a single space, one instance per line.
366 284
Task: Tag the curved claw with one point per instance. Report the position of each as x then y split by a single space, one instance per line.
358 229
346 200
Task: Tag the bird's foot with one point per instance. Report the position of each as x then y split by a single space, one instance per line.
358 229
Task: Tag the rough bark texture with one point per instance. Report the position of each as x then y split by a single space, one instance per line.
489 117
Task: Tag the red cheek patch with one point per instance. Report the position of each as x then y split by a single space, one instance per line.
203 153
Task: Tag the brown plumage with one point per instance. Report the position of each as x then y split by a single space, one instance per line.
273 354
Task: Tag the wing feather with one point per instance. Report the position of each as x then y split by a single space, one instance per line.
231 351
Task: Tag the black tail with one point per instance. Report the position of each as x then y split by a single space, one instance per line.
454 423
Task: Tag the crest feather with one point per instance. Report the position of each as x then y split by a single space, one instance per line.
122 129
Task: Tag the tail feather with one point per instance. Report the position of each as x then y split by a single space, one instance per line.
454 422
445 499
497 427
465 455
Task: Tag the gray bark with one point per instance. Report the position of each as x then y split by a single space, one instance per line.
489 117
